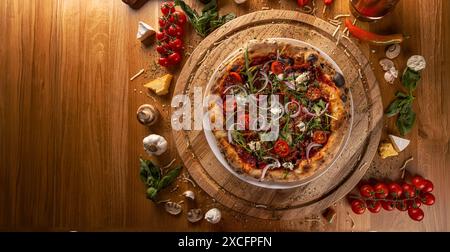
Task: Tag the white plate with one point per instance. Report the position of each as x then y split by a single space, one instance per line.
210 138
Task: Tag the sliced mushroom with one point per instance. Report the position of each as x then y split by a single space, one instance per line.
194 215
240 1
173 208
391 75
147 114
189 194
213 216
386 64
393 51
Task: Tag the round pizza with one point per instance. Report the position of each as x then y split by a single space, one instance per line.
282 109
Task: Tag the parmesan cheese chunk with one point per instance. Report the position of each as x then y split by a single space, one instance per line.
387 150
399 143
161 85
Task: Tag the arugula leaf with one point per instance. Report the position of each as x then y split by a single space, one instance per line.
169 177
208 21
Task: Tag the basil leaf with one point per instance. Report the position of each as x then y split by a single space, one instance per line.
406 120
148 169
394 108
169 177
151 193
410 79
401 95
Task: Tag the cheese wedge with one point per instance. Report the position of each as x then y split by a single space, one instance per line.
145 33
161 85
387 150
399 143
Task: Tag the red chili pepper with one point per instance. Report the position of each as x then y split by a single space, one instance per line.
373 38
328 2
302 3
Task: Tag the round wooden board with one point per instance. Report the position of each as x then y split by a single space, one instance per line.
286 204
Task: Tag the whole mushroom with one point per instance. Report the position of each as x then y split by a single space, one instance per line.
393 51
213 216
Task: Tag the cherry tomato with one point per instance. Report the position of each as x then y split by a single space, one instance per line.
162 22
414 203
163 61
358 206
176 44
427 199
277 67
367 191
388 205
428 186
234 78
313 93
373 206
381 191
161 49
281 148
302 3
395 190
178 17
161 36
408 191
175 30
174 58
320 137
167 8
402 205
417 181
416 214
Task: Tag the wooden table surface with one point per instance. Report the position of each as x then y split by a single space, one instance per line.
70 141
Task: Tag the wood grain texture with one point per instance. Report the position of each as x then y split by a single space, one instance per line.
69 139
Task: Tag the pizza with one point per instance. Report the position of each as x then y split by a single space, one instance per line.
308 108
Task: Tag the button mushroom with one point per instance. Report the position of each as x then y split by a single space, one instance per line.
393 51
147 114
189 194
155 144
173 208
194 215
386 64
213 216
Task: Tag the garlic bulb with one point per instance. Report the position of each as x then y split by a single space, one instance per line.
147 114
189 194
213 216
155 144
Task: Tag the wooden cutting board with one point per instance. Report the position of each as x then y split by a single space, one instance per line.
285 204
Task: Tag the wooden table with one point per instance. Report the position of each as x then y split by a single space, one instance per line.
70 142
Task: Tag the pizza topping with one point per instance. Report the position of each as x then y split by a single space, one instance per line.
320 137
277 67
302 78
313 93
293 108
281 148
310 147
254 146
233 78
288 165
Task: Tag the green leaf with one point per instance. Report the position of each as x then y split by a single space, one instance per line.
406 120
410 79
401 95
148 169
395 107
169 177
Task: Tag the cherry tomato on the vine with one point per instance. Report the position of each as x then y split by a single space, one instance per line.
175 30
373 206
176 44
418 182
388 205
167 8
367 191
416 214
161 49
395 190
163 61
174 58
178 17
162 22
414 203
358 206
402 205
429 187
161 36
408 191
381 190
427 198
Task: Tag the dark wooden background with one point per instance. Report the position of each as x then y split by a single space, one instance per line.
70 142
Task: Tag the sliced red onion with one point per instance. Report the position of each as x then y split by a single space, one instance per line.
324 110
306 111
309 148
276 164
276 161
234 86
266 81
290 85
286 107
264 68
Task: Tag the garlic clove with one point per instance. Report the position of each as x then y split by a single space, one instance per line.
386 64
213 216
194 215
189 194
173 208
393 51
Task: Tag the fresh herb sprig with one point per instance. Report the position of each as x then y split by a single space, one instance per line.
155 181
208 21
403 104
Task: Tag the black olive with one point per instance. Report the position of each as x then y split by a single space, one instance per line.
339 79
312 58
344 98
